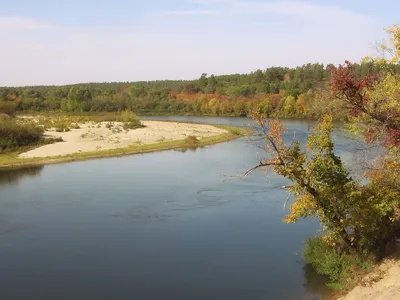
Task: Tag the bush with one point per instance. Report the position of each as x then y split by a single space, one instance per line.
130 120
8 108
75 126
14 135
327 260
235 131
48 141
192 141
62 128
110 125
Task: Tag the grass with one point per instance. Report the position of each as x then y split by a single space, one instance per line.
343 270
11 159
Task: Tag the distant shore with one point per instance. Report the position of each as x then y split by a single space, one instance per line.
102 140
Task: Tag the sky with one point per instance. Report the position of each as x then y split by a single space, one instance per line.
49 42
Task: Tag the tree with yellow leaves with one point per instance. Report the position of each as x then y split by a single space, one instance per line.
358 218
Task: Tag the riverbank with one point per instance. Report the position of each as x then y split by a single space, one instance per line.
381 284
101 140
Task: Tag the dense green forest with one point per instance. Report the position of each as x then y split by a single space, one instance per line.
277 91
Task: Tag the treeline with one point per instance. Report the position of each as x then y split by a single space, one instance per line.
277 91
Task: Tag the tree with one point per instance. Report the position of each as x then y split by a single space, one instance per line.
258 76
290 106
356 218
266 107
213 106
177 95
240 109
211 85
72 103
303 104
190 88
78 98
202 82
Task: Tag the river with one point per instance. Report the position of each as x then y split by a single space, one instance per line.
164 225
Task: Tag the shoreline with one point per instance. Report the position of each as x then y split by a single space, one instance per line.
381 283
13 161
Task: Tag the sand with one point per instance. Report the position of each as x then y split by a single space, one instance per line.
382 284
96 136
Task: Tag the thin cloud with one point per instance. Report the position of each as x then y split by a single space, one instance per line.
297 9
213 1
200 12
22 23
246 36
300 9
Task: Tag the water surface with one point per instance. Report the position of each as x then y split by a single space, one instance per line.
163 225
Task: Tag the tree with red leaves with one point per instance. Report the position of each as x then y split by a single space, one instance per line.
373 101
359 217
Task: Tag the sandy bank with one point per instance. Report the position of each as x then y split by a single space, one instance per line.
382 284
92 137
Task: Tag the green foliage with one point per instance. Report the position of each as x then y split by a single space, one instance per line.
14 134
328 260
235 130
75 126
79 98
130 120
61 124
266 107
8 108
235 95
357 218
289 107
62 128
47 141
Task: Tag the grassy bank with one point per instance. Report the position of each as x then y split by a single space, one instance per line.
11 159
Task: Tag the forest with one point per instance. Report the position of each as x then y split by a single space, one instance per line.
283 92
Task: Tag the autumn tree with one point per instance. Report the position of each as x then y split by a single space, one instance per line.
359 217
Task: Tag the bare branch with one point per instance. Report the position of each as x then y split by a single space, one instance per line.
260 165
286 201
287 186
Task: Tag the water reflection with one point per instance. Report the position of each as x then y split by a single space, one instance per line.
315 283
14 176
186 149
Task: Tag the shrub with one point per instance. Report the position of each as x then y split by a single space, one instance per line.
110 125
192 141
13 134
235 131
327 260
62 127
75 126
130 120
61 124
51 140
8 108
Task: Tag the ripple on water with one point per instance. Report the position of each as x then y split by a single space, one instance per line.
211 197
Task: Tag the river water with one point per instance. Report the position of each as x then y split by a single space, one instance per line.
164 225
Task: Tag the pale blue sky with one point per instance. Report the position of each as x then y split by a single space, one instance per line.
60 42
